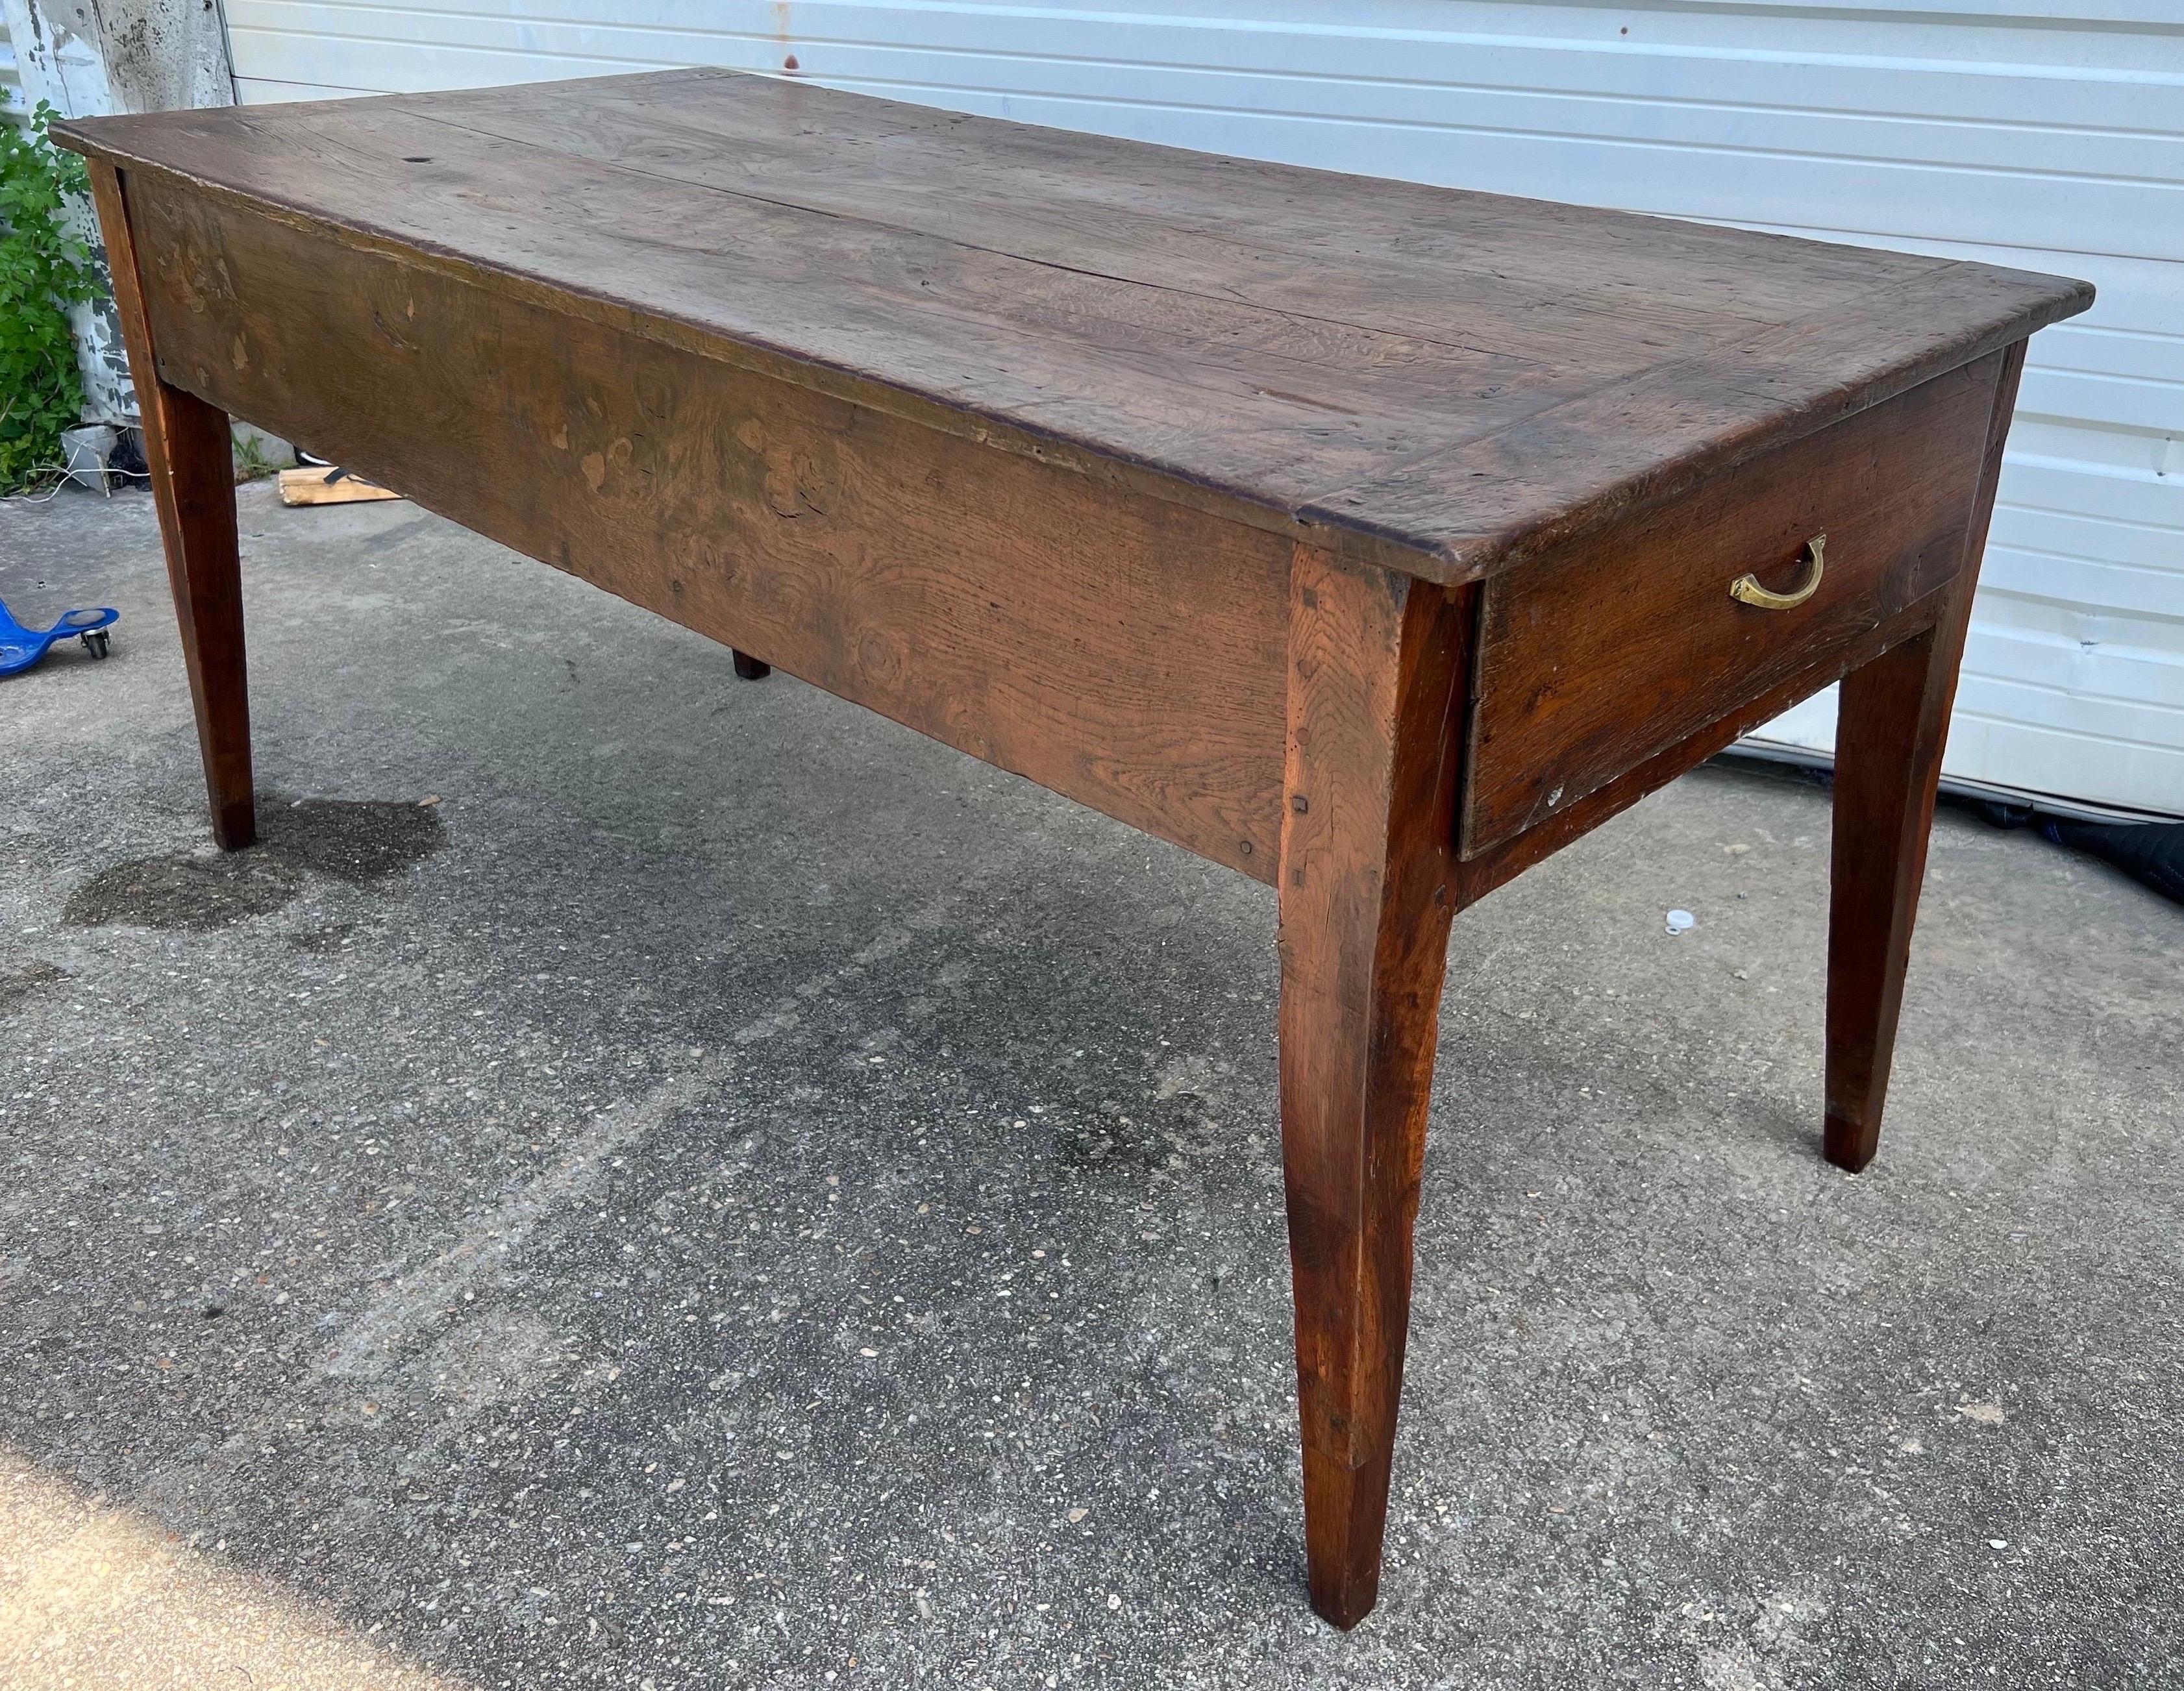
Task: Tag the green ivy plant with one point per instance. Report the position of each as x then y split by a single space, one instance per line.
43 270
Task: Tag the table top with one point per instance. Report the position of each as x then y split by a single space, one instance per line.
1455 379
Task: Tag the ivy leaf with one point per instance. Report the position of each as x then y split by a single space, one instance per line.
43 270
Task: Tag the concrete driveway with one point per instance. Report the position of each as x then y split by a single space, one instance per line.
651 1181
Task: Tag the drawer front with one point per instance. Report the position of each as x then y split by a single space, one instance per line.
1595 660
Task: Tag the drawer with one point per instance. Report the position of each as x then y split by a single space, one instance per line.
1593 659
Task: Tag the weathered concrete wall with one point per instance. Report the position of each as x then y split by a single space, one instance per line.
93 58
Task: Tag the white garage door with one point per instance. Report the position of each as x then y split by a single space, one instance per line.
11 83
2047 134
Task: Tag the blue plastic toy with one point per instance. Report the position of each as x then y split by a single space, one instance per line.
21 647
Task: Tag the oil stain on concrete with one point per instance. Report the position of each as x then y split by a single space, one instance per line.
184 891
361 841
22 984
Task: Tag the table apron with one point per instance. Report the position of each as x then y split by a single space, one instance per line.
1122 650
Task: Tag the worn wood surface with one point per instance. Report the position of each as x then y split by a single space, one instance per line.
1477 876
1120 649
1627 642
1377 675
190 455
1448 382
1893 722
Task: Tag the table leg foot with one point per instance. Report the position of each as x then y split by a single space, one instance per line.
1345 1512
1367 895
1891 726
205 571
190 454
748 668
1893 719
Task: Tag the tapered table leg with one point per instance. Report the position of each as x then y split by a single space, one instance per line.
188 449
1375 681
1891 726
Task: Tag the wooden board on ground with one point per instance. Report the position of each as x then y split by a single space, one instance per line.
326 484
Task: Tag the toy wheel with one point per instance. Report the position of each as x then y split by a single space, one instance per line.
95 643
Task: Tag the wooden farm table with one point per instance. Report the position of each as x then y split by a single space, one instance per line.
1373 540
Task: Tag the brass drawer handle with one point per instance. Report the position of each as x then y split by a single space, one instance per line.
1746 588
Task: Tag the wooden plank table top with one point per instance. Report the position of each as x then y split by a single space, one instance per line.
1455 376
1373 539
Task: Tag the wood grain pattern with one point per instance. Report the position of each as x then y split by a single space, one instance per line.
1376 667
1403 258
1511 496
1627 643
190 454
1123 651
1892 725
1477 876
1445 383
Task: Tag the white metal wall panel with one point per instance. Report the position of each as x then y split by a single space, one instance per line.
12 107
2043 133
